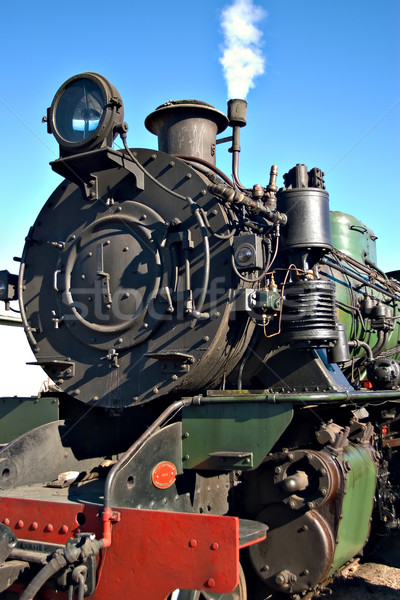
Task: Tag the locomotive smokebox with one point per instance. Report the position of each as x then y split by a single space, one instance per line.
187 128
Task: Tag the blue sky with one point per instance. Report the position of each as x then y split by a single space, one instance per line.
329 97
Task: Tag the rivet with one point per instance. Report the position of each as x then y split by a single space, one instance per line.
19 524
174 377
64 529
34 526
211 583
49 527
193 543
215 546
156 390
6 521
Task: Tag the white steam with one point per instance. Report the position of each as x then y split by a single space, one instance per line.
242 59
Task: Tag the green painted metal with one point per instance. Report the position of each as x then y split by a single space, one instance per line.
357 506
10 321
231 435
19 415
352 237
356 240
347 296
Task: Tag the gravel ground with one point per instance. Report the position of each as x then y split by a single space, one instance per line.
377 576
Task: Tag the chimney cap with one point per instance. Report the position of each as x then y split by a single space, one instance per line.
188 108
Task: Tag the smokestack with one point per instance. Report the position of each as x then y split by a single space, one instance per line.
187 127
237 112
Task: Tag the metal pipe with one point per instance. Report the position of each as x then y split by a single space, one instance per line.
55 564
366 282
126 457
197 313
27 328
237 109
381 343
256 207
235 166
366 269
360 344
311 398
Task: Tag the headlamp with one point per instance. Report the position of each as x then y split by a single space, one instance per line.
85 114
248 252
244 255
8 286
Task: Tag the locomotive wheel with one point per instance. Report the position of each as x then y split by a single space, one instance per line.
239 593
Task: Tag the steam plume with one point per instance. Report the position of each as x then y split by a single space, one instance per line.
242 59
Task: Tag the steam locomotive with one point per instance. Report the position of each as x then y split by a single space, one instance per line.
226 365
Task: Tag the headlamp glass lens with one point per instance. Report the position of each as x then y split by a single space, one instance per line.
244 255
79 110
